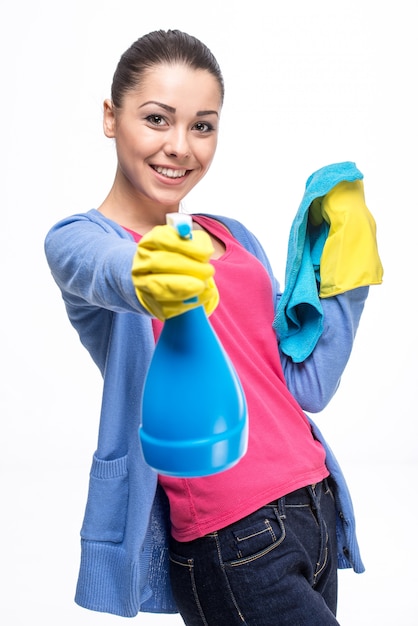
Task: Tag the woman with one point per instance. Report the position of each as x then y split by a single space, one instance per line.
259 543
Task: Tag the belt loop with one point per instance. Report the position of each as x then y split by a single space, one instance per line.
281 506
316 490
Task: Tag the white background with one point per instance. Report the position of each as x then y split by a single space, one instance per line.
308 83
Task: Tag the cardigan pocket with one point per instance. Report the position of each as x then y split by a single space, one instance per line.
107 501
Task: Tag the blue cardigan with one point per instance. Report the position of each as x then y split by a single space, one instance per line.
124 536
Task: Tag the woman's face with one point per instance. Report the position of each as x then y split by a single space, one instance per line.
166 133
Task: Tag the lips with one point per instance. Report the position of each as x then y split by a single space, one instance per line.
169 172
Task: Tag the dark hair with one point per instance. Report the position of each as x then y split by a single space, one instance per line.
161 47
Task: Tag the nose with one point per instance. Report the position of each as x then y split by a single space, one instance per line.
177 143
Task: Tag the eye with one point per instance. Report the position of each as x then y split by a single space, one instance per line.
156 120
203 127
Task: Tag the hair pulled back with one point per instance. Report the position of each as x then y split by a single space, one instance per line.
157 48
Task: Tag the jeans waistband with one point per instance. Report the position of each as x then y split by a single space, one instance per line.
304 493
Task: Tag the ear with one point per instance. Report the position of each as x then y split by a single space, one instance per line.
109 121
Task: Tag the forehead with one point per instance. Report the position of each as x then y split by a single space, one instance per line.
180 84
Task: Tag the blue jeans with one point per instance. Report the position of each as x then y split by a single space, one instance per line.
277 566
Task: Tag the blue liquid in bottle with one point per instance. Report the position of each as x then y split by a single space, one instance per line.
194 412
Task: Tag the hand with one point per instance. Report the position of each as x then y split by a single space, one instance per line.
169 271
350 256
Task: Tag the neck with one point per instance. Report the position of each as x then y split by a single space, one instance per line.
132 211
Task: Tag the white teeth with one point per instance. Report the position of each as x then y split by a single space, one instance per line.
165 171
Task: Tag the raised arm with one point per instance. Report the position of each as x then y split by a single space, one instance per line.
315 380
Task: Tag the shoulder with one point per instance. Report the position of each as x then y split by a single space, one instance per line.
246 239
80 226
92 219
238 230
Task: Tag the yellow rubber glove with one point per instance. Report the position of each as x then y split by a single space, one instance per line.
169 270
350 257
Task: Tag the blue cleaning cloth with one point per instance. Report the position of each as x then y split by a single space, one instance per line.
299 316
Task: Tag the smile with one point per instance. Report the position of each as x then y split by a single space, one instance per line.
166 171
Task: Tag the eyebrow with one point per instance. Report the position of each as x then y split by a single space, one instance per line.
173 110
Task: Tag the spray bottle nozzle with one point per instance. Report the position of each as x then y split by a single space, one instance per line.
183 224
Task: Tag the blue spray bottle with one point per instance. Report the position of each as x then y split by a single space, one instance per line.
194 412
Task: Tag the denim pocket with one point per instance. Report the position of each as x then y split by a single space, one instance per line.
107 501
254 541
183 561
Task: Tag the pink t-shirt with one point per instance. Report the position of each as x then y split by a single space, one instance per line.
282 454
